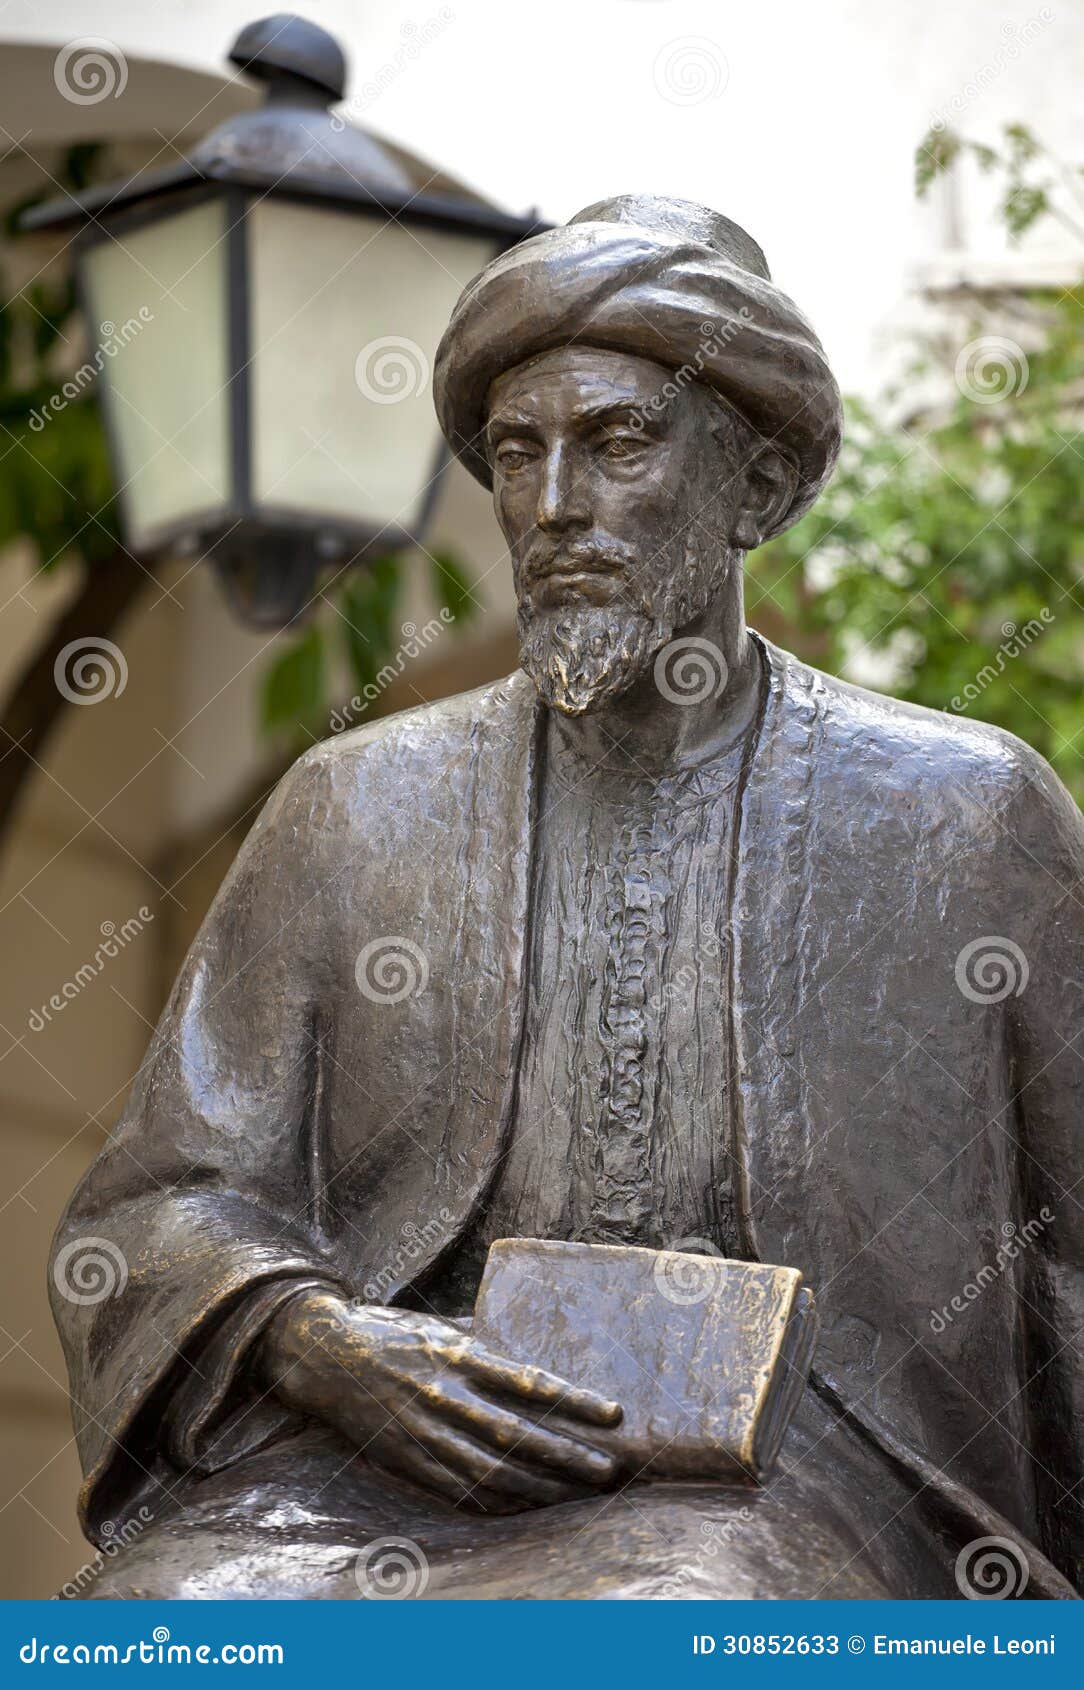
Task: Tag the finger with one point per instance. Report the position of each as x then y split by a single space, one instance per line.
479 1500
511 1433
408 1460
486 1471
538 1386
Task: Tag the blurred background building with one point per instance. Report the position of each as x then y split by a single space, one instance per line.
801 124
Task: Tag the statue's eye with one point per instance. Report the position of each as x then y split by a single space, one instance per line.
512 455
620 443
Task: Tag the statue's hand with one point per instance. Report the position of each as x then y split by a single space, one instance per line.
424 1399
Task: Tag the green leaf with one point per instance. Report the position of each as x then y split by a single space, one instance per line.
1022 207
452 588
366 621
293 686
1023 145
933 155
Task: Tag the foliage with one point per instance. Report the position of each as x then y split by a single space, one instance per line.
298 692
56 486
1034 183
951 550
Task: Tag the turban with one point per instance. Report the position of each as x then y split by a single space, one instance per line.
664 280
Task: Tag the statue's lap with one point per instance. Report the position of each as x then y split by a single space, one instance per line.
301 1517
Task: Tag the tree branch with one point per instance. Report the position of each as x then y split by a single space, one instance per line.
35 702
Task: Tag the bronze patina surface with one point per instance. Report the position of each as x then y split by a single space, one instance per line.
667 940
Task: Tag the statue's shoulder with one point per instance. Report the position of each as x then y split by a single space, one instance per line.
938 755
415 752
427 728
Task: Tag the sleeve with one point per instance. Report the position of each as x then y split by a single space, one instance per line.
197 1219
1046 836
221 1410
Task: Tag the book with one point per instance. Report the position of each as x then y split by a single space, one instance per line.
707 1357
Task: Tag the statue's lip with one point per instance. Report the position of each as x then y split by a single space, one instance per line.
571 569
591 585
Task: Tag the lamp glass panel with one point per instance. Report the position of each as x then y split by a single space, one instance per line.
157 301
347 311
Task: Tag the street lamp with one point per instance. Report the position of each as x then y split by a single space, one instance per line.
269 309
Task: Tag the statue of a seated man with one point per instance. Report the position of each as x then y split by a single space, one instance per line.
666 937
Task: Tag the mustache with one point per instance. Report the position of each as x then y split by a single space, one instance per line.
568 557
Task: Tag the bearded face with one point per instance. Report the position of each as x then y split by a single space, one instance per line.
582 653
614 505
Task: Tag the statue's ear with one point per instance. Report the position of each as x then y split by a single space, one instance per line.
770 485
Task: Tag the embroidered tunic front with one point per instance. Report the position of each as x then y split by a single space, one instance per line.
620 1131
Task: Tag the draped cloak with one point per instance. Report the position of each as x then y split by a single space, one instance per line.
894 1132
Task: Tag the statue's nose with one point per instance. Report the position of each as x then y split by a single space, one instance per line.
562 493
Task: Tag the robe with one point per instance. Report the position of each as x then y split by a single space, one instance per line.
907 1132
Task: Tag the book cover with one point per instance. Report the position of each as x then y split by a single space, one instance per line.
707 1357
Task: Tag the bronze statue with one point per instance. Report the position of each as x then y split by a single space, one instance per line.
667 940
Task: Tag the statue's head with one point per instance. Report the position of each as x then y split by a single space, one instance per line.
647 407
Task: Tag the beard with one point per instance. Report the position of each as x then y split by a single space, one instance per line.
581 657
